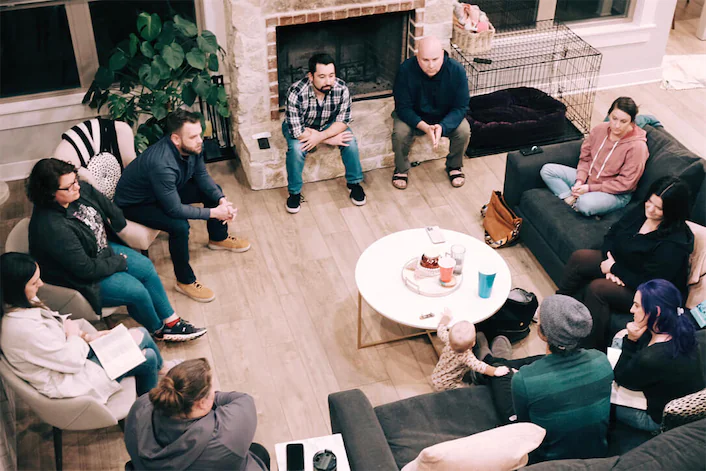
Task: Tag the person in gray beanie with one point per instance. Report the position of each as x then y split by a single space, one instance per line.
564 322
566 391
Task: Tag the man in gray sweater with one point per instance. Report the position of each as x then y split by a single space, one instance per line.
184 424
158 188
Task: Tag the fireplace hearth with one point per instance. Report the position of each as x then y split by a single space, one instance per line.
271 42
367 50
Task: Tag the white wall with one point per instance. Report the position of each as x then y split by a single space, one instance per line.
632 48
31 129
632 53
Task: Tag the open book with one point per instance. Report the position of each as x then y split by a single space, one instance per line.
622 396
117 352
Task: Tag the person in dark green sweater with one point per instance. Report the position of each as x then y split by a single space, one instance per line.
566 391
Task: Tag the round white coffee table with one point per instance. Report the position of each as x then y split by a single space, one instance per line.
379 281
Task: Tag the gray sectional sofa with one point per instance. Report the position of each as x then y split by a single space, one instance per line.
553 231
387 437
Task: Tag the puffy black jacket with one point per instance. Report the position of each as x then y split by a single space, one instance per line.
66 249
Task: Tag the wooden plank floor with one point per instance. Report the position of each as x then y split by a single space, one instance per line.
283 326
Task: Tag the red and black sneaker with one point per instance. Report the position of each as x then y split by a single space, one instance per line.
180 332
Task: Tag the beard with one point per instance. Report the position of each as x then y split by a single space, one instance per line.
324 89
184 150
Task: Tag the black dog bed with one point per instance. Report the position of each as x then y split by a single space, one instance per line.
514 117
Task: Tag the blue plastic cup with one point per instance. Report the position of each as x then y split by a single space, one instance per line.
486 278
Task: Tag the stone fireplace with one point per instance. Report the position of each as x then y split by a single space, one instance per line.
368 51
270 42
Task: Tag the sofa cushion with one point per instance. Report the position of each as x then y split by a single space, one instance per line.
502 448
416 423
564 229
679 448
667 157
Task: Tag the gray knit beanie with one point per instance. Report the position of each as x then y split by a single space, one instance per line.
564 321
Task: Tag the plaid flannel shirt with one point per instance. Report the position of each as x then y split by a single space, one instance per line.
302 108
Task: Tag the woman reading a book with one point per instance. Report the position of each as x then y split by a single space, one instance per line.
52 352
184 423
659 355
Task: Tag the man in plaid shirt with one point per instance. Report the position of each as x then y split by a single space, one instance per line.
318 112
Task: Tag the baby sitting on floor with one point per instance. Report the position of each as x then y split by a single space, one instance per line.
457 358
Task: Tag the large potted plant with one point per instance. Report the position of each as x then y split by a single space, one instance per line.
160 68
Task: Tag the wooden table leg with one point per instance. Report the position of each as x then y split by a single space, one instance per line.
381 342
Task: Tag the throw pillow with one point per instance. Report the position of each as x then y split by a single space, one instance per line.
502 448
684 410
697 264
106 172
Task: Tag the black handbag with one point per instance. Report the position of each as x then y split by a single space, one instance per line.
513 319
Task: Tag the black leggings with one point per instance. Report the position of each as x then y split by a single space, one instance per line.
501 386
583 280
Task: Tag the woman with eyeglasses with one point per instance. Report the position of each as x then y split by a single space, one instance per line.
73 234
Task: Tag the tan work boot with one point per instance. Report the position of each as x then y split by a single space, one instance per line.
230 243
196 291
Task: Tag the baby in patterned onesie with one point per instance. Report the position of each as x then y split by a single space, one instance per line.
457 358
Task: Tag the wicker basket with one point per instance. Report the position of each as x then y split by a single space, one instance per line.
473 43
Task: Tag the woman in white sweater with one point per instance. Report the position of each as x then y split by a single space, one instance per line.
51 352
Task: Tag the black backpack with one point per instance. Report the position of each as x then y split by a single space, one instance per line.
513 319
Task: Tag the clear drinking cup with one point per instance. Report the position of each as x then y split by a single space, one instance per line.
458 253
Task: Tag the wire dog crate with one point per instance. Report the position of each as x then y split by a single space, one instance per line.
549 57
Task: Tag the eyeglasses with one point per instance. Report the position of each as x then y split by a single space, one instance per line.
70 187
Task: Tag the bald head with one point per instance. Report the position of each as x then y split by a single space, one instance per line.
430 55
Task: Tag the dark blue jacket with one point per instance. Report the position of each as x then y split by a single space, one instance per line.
158 174
441 99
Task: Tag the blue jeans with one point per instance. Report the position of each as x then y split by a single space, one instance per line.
560 178
296 157
146 374
139 288
636 418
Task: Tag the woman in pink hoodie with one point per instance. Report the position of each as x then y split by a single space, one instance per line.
611 163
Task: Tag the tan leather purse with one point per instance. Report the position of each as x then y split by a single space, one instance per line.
501 224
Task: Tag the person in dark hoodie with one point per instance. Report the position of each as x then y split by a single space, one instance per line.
611 162
650 241
183 424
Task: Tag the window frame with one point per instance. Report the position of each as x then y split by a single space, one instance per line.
551 5
78 14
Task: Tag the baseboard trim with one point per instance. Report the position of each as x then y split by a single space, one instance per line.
16 170
630 78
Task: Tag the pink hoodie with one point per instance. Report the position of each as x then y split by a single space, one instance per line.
614 167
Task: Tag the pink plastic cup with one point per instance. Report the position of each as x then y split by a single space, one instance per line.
446 269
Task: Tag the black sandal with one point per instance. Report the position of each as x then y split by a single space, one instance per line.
402 178
455 176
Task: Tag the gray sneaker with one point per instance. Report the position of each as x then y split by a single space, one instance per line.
481 350
501 347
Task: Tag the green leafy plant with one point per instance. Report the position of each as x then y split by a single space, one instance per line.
158 69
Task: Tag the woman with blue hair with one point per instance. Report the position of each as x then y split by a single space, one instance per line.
659 354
